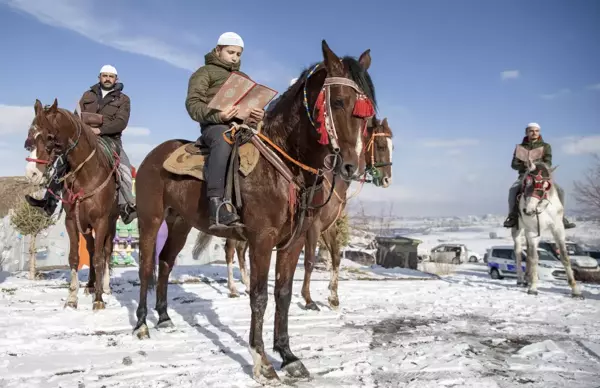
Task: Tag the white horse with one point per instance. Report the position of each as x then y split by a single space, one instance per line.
540 210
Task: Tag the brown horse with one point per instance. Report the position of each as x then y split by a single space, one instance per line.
89 198
338 91
378 149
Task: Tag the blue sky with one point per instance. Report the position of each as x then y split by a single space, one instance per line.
458 80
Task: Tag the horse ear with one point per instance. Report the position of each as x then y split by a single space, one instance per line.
384 122
54 107
553 169
365 59
37 107
332 62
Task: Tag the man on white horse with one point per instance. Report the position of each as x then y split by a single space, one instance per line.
110 109
532 140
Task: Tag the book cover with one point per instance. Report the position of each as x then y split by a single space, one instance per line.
243 92
525 155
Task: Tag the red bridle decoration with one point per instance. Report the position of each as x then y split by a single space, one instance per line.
40 161
322 129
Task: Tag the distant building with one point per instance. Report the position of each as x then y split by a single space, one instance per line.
397 251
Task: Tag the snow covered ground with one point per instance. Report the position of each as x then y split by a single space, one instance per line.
392 329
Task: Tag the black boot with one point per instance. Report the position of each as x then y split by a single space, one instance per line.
48 204
128 213
568 224
512 220
226 218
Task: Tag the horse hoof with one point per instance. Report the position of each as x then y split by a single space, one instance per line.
166 324
333 302
296 370
532 292
98 306
142 332
267 376
71 304
312 306
578 296
88 291
521 284
234 295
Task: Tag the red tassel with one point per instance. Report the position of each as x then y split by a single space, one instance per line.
365 129
363 107
322 128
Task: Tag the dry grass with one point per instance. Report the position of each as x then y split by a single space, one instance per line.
438 268
588 277
12 189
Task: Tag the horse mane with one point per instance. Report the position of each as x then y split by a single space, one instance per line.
86 133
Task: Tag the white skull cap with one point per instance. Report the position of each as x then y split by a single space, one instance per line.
230 39
533 125
108 69
293 81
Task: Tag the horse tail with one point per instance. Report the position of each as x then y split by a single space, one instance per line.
202 241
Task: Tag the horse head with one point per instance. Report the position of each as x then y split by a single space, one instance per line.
536 187
49 137
342 107
379 149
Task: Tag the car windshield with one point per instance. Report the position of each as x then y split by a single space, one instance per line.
543 255
575 249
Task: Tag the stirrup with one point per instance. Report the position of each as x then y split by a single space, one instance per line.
217 224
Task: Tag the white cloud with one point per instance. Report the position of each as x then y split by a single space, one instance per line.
81 17
15 119
136 131
552 96
445 143
582 145
594 86
454 152
510 74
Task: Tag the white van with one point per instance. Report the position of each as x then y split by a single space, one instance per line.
501 262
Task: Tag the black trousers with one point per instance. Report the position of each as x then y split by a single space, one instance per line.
220 150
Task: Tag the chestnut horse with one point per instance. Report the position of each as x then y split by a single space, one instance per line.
89 198
343 103
378 148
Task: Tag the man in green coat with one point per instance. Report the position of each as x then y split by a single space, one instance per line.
532 140
202 87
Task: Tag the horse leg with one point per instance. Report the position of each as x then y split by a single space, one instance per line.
260 261
532 260
330 237
177 236
558 233
312 237
148 225
241 248
73 262
517 235
108 248
89 244
285 268
229 252
102 234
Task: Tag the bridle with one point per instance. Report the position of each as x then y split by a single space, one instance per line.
540 190
363 108
372 168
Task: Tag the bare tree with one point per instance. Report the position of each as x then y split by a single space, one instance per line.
587 191
30 221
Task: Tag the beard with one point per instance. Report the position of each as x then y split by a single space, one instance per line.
107 85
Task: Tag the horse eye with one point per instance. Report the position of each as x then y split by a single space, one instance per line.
338 104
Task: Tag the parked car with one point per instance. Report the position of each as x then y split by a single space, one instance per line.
502 263
594 254
449 253
581 261
474 257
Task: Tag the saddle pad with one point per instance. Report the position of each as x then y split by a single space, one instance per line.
186 160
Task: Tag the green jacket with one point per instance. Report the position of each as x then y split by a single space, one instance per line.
520 166
204 84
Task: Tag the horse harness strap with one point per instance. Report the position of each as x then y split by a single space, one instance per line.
72 173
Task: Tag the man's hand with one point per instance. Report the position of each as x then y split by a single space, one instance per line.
96 130
229 113
257 114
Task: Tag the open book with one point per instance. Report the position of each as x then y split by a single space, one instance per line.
242 91
526 155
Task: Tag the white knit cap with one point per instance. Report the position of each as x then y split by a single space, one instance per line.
108 69
230 39
293 81
533 125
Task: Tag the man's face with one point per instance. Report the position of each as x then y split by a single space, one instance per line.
230 54
107 80
533 133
